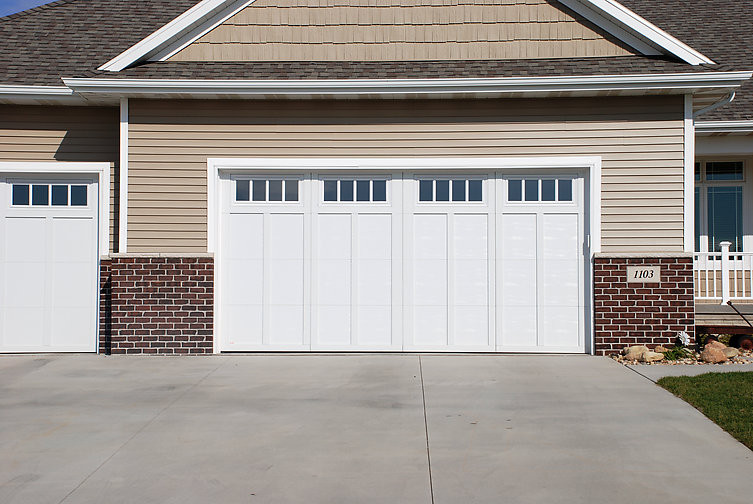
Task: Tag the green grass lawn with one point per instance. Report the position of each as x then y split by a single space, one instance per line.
726 398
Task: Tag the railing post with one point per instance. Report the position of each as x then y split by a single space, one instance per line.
725 271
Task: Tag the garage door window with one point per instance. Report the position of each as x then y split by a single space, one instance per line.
360 191
266 190
46 195
540 190
445 190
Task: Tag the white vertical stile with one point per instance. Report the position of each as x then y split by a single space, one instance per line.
725 271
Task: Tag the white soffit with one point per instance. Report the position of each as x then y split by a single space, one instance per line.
609 15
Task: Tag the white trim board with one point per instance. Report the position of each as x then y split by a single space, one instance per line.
178 33
634 30
679 83
123 179
609 15
102 170
592 164
689 176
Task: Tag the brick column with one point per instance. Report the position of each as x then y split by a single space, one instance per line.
642 314
156 305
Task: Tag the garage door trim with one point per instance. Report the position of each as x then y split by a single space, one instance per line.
229 166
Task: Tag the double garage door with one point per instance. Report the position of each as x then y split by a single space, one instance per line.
48 263
402 262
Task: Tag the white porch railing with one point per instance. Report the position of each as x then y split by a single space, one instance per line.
723 275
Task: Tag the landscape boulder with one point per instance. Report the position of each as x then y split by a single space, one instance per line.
634 352
661 349
651 356
715 344
713 354
730 352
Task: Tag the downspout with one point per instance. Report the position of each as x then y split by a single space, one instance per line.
724 101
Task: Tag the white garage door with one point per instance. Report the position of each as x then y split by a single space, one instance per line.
48 261
402 261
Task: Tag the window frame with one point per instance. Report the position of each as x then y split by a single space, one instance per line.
266 178
701 243
540 178
452 177
321 179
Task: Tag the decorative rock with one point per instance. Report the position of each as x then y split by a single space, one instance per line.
661 349
651 356
713 355
715 344
634 352
730 352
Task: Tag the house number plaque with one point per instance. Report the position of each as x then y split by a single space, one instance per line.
644 274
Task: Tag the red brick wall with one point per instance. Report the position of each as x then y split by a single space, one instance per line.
156 305
642 314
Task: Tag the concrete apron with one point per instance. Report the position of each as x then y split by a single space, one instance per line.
353 429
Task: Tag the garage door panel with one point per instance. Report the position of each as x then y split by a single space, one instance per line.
518 238
285 282
286 325
471 283
71 240
430 282
518 283
243 324
245 237
430 237
429 325
71 285
244 282
334 237
333 325
374 236
333 282
560 326
560 239
24 284
71 326
471 326
374 326
519 328
25 239
286 238
470 240
24 328
374 282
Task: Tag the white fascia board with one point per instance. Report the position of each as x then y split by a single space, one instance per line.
32 94
182 30
634 30
724 126
408 87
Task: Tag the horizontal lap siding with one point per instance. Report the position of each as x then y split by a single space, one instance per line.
80 134
640 140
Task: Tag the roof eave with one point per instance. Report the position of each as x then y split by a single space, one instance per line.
682 83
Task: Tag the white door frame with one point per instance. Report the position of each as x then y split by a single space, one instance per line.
592 206
101 170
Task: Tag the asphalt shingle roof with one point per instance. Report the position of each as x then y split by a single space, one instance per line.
403 69
73 37
63 38
720 29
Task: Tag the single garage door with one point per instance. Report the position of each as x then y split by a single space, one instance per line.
402 262
48 260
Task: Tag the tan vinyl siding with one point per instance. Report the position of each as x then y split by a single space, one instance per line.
640 140
391 30
46 133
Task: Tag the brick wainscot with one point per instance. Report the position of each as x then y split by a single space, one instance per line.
156 305
628 313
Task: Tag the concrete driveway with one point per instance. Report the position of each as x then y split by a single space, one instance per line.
355 429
